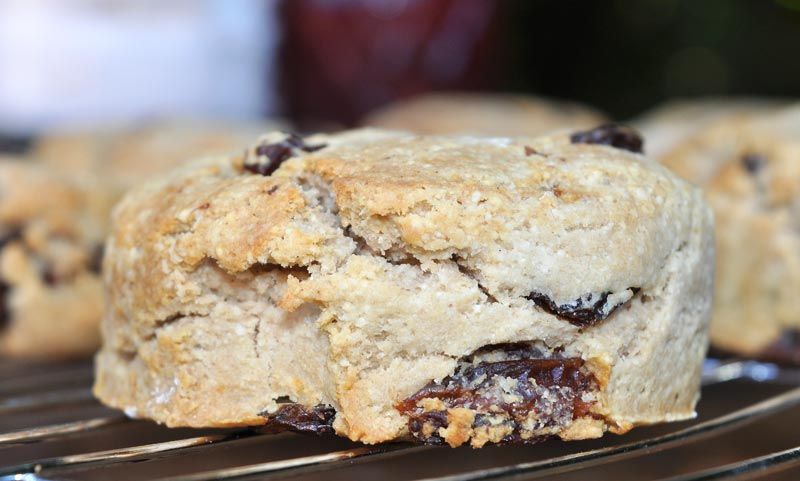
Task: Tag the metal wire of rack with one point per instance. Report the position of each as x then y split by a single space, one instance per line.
28 390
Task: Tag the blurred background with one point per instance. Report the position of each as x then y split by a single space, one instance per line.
68 64
85 65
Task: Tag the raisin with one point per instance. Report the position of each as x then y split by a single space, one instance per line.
296 417
753 163
10 144
434 420
581 312
12 235
5 315
277 153
785 349
296 141
95 262
515 350
5 288
49 277
530 151
505 393
614 135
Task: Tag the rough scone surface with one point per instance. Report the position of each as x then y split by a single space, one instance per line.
483 114
384 285
51 239
749 167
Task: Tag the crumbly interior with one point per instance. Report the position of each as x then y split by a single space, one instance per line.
358 275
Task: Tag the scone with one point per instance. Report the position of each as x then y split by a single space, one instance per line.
483 114
51 242
125 157
55 220
750 169
672 123
390 286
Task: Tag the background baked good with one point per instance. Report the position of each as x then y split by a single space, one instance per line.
55 208
125 157
749 167
51 243
670 124
483 114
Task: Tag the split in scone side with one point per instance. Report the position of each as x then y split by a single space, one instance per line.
389 286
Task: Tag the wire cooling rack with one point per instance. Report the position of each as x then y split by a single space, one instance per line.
52 429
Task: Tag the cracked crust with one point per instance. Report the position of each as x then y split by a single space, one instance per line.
749 167
50 247
357 274
483 114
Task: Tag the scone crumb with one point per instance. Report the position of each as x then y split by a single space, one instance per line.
459 426
431 404
583 428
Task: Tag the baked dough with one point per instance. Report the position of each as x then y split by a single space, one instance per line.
54 215
51 238
483 114
749 167
386 286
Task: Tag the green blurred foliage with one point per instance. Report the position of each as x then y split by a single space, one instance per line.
624 56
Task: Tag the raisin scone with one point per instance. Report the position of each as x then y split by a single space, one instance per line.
483 114
388 286
750 170
51 239
670 124
56 219
124 157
